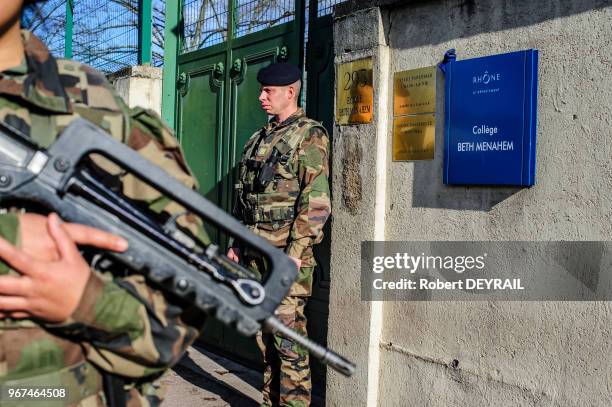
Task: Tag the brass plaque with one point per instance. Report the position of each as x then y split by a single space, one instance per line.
414 138
414 91
355 96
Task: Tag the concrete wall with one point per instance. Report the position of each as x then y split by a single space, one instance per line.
478 353
140 86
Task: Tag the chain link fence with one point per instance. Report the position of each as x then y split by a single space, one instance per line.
257 15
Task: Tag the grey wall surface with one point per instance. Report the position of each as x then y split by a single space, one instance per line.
139 85
485 353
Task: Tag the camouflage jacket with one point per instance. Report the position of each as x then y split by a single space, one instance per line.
291 210
121 325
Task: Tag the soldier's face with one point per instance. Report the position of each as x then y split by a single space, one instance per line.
10 12
275 99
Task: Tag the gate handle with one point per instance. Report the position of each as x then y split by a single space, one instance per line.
182 83
283 54
219 69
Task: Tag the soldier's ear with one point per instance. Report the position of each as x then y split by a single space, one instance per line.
290 92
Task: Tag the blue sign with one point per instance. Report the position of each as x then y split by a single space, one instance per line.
490 119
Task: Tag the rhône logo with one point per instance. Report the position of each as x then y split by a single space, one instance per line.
486 78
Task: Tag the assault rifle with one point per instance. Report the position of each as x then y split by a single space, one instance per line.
64 179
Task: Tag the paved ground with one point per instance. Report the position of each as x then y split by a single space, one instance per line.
204 379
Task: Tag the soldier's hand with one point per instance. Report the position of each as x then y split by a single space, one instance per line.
233 254
38 243
298 262
47 289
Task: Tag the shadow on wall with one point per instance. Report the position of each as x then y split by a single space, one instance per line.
466 18
428 191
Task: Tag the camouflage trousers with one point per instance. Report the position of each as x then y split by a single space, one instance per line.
287 370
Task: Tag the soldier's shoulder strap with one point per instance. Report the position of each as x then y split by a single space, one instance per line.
293 138
249 146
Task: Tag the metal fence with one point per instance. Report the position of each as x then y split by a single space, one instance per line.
113 34
325 7
257 15
108 35
206 22
48 21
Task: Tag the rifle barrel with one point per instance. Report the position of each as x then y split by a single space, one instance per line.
326 356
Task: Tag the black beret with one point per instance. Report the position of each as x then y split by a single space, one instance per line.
279 74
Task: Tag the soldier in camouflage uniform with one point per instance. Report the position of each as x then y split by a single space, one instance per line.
120 326
283 196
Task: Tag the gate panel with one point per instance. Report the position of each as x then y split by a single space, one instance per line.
200 89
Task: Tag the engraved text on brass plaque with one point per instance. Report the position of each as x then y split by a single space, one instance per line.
414 137
414 91
355 97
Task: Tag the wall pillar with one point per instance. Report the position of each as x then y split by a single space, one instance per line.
359 205
139 86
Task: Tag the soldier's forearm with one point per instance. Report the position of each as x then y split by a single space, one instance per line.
128 328
312 213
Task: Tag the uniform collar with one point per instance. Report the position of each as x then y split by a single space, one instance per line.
298 114
36 80
20 69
